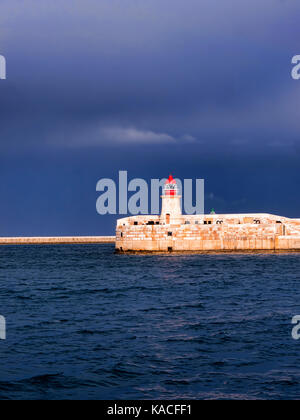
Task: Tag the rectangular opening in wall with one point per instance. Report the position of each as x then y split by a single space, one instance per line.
135 223
170 249
196 222
170 233
187 222
150 223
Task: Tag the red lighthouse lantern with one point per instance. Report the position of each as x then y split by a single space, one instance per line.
171 188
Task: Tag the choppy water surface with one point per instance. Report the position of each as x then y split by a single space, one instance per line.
83 322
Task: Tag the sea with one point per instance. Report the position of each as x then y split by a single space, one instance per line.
85 323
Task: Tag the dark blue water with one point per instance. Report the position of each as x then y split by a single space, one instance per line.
83 322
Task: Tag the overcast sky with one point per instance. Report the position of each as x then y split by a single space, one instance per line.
199 88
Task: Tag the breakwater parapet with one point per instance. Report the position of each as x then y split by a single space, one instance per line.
57 240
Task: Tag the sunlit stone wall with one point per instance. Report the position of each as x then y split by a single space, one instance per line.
248 232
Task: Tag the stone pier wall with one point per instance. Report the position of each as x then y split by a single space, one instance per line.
209 233
57 240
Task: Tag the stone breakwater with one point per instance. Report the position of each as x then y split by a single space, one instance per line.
223 232
57 240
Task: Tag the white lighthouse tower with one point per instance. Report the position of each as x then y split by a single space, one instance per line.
171 205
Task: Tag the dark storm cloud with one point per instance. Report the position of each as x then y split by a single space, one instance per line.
95 73
200 88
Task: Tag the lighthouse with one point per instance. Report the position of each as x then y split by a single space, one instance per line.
171 203
172 231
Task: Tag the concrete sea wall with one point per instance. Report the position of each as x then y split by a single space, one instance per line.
209 233
57 240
